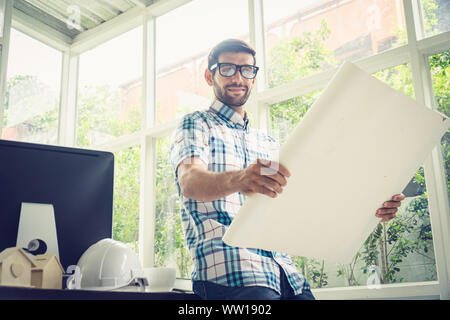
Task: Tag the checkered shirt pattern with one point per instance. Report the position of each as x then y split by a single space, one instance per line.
223 140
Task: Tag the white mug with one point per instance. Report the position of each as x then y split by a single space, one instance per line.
160 279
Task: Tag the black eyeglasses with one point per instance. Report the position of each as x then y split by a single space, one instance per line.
227 69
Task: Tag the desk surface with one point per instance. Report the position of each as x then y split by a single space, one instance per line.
18 293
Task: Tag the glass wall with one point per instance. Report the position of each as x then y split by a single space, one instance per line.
285 115
436 16
306 37
170 244
181 52
32 91
126 196
440 70
110 90
109 106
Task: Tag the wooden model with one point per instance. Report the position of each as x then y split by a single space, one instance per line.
15 267
48 272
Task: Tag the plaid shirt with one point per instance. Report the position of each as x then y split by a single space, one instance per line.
223 140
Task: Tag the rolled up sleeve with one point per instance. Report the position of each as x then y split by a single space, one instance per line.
190 140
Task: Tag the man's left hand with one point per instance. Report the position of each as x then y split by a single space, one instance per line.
389 208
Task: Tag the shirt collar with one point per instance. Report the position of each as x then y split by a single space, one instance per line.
228 114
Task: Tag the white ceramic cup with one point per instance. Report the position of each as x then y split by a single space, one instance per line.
160 279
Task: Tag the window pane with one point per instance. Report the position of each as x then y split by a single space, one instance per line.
2 16
109 99
183 43
285 115
440 70
399 78
436 16
126 196
400 250
306 37
170 244
32 91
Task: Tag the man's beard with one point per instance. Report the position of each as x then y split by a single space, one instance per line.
225 98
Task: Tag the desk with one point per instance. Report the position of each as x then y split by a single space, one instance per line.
17 293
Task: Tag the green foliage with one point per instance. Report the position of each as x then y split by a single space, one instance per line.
440 73
99 120
126 196
391 243
285 115
312 269
96 109
398 78
170 247
430 8
31 93
15 81
291 59
300 56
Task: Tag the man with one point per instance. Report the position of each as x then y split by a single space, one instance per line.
218 161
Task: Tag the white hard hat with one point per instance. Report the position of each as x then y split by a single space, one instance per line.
108 265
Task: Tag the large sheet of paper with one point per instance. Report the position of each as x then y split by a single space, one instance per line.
358 145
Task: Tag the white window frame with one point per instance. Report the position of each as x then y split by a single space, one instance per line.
416 52
4 46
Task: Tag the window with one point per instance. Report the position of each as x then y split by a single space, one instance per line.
182 50
436 16
170 243
306 37
32 91
109 98
126 196
440 69
285 115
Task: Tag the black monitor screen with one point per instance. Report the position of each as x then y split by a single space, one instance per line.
77 182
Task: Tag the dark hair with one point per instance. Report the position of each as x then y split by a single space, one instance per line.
229 45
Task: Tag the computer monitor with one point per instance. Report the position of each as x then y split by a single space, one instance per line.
77 182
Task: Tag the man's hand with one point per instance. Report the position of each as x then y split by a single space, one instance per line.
264 176
389 208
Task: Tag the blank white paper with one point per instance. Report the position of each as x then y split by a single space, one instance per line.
358 145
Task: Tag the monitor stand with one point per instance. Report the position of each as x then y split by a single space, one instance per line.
37 229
